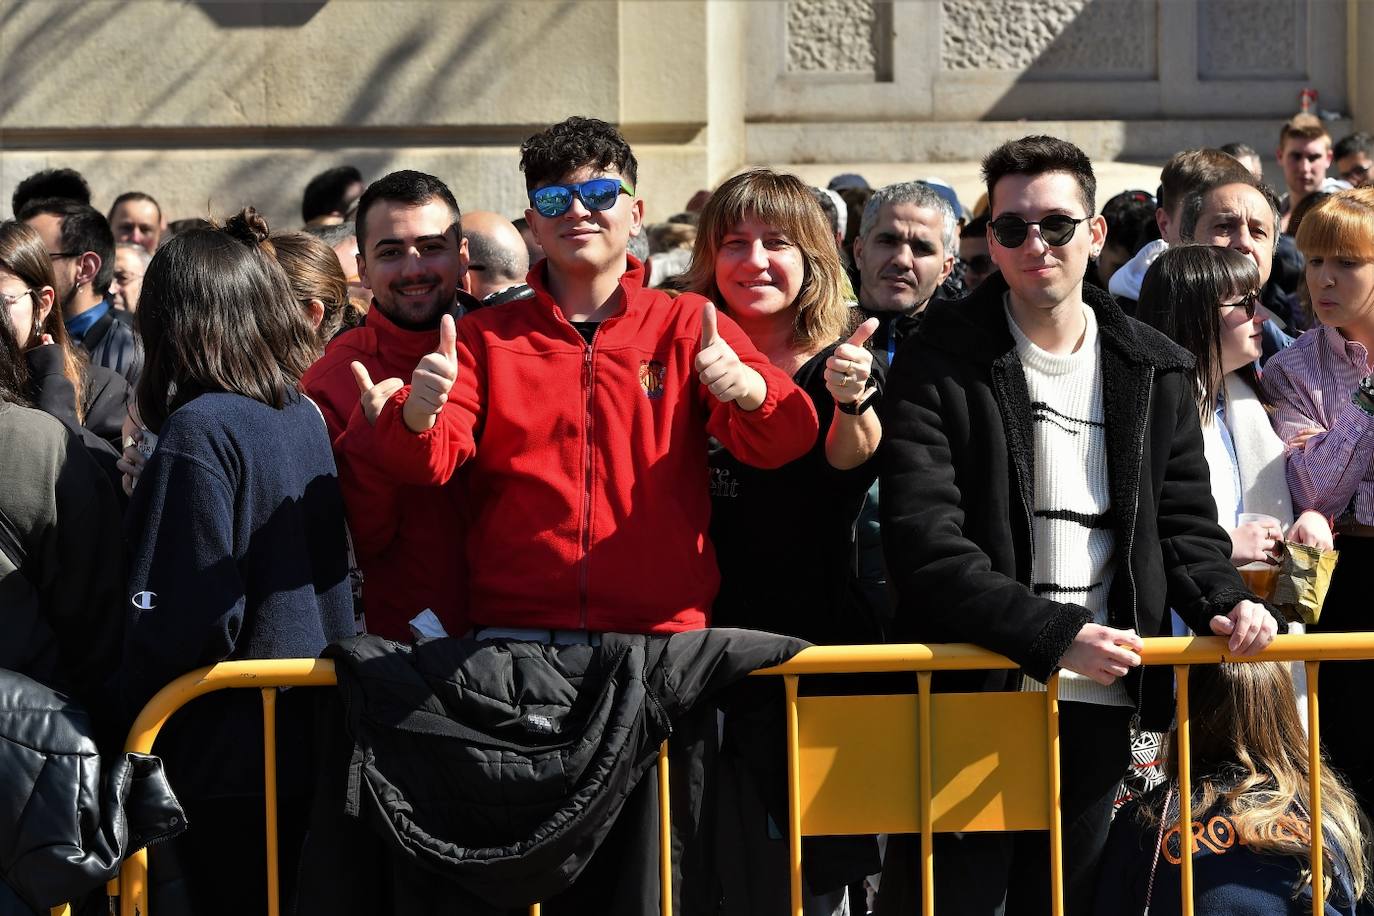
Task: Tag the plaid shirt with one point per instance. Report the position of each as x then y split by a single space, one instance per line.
1311 384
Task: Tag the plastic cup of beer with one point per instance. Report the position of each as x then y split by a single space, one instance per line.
1260 577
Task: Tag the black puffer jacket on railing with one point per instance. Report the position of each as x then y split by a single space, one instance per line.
493 771
66 822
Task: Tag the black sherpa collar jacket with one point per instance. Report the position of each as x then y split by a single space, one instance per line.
957 475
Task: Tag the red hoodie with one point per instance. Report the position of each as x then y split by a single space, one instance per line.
586 473
397 530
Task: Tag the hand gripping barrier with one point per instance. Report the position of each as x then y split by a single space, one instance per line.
910 763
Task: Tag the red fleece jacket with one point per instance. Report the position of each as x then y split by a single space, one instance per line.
586 472
398 530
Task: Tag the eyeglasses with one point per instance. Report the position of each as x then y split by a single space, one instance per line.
10 302
54 255
1055 229
1355 173
1251 303
596 194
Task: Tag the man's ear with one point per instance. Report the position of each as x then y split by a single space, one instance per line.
362 269
1162 221
87 268
947 268
1098 225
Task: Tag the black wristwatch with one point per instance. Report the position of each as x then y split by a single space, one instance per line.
862 406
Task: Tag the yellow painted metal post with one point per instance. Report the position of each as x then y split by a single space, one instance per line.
1056 818
794 827
925 755
1314 764
269 776
63 910
665 835
1185 790
133 878
534 909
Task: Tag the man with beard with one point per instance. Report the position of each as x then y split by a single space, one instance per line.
82 250
412 256
904 250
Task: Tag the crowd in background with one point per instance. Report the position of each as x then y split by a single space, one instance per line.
844 414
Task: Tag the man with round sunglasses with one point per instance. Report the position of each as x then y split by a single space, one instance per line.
1045 496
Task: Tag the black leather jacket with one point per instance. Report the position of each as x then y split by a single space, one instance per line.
66 822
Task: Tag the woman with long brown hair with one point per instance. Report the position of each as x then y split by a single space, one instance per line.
1251 819
59 380
238 547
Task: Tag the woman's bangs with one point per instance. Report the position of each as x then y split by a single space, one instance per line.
1337 228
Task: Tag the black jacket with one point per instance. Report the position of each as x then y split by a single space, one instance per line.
103 403
114 344
66 823
498 767
957 478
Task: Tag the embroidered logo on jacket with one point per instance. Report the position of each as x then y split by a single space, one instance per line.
651 375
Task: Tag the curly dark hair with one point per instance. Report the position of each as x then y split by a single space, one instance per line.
571 144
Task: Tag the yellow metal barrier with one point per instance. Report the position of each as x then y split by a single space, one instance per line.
925 770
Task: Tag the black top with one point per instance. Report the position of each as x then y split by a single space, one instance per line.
587 329
784 538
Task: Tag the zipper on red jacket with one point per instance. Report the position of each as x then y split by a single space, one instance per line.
584 573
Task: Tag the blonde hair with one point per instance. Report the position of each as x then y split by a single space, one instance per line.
821 308
1341 225
1250 753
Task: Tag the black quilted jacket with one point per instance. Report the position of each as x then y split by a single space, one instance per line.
498 767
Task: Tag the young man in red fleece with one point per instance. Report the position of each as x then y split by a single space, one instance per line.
581 416
412 257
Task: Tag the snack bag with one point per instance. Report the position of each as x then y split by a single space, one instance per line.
1304 577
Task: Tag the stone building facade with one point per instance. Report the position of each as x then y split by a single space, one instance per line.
209 105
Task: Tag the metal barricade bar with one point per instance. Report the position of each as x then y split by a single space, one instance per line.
1180 652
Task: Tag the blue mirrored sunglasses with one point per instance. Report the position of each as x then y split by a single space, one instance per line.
596 194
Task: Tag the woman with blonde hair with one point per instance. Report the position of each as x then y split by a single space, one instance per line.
784 537
1251 805
1322 388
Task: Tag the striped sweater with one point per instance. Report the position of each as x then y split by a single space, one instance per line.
1072 559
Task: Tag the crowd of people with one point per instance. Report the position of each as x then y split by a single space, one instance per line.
844 414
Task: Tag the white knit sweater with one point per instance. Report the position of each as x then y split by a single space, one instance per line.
1072 559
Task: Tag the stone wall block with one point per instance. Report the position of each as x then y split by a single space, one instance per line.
1051 39
832 36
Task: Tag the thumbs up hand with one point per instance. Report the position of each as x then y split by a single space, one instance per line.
849 367
374 396
433 379
720 368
